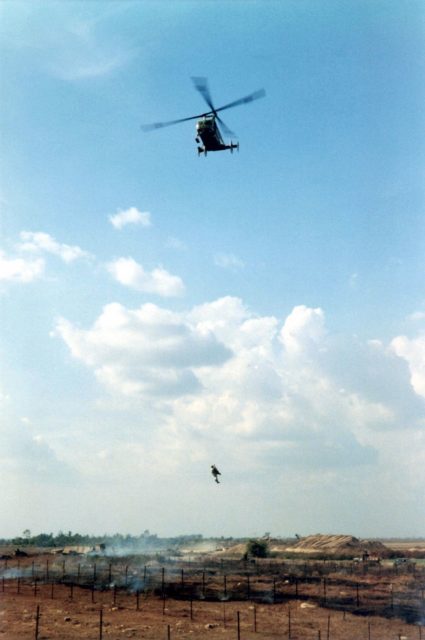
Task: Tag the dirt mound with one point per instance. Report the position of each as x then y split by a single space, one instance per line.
319 545
236 550
342 545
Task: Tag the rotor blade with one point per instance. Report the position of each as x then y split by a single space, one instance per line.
160 125
228 132
201 84
250 98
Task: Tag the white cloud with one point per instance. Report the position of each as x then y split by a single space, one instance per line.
147 351
228 261
37 242
130 216
281 394
303 330
158 281
413 351
20 270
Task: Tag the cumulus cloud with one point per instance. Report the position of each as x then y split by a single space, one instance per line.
130 216
159 281
15 269
144 351
38 242
279 391
413 351
303 330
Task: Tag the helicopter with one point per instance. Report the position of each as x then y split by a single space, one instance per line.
207 129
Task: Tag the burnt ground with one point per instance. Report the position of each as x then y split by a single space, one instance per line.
103 598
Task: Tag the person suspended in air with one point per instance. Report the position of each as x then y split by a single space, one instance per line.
215 473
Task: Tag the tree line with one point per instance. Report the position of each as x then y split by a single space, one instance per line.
61 539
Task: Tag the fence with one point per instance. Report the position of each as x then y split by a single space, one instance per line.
341 587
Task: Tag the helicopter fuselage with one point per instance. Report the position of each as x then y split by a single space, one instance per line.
207 130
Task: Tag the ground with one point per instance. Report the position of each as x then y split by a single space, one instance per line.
66 619
297 601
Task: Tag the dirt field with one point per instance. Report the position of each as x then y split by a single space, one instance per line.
63 618
100 598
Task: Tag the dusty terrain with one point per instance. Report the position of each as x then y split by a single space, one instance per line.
66 619
99 597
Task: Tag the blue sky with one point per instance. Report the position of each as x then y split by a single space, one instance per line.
262 310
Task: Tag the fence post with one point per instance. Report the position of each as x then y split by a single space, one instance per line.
100 624
328 630
255 619
37 622
289 623
239 626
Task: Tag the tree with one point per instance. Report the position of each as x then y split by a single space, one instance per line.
257 548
